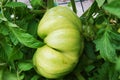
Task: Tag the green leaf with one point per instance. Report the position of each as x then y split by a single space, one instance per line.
100 2
25 66
32 29
15 4
37 3
118 64
2 17
22 76
102 72
110 1
105 46
116 39
14 40
9 76
2 54
23 37
113 8
23 24
89 50
3 29
89 68
6 48
35 77
16 54
106 71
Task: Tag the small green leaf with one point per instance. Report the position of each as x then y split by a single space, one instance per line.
89 50
22 76
4 30
23 37
113 8
2 54
2 17
118 64
16 54
23 24
37 3
15 4
25 66
105 46
102 72
6 48
110 1
35 77
116 37
100 2
13 38
89 68
32 29
9 76
105 71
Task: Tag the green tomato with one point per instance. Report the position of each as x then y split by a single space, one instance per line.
60 30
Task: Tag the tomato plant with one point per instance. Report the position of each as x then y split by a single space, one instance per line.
36 41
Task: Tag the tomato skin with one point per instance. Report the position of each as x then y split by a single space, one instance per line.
60 29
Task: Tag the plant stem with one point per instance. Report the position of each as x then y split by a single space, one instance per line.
14 13
50 4
2 13
37 11
73 6
18 77
82 5
79 76
1 74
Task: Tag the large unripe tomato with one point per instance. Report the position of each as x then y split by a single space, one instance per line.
60 30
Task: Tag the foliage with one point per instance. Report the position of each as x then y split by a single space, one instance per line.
18 40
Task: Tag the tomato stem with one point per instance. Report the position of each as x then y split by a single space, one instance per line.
73 6
50 4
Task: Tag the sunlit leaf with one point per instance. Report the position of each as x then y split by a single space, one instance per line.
100 2
25 66
23 37
106 47
113 8
15 4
